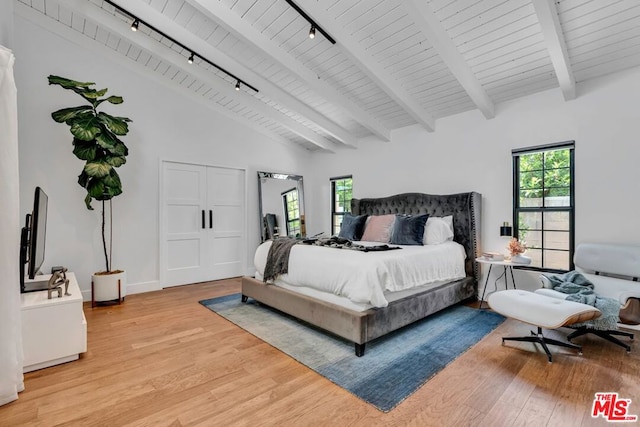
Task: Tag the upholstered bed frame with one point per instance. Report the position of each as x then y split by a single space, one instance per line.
362 327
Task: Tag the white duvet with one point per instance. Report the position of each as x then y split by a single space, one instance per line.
364 277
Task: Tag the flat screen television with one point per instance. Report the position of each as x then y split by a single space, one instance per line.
32 243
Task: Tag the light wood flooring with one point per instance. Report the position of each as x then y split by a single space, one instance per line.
162 359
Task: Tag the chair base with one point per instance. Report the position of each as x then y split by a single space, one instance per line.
607 335
543 341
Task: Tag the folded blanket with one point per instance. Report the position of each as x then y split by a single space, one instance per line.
278 258
579 289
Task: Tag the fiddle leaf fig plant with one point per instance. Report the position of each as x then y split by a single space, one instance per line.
96 142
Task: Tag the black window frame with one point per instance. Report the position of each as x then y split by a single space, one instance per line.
517 209
333 181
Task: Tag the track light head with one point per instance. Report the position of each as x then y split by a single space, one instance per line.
190 60
238 85
312 32
134 25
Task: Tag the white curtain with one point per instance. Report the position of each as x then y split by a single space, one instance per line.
11 380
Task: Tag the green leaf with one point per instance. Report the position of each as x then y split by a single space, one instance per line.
112 183
111 99
96 189
117 125
87 201
97 169
84 150
115 99
93 94
106 139
83 179
119 149
65 114
116 161
85 127
66 83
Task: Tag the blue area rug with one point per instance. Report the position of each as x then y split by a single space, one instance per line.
392 368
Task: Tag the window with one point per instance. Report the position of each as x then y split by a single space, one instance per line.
292 212
543 204
341 194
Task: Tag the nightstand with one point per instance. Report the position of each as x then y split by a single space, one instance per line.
506 265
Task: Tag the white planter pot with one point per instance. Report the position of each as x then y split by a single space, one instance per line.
105 286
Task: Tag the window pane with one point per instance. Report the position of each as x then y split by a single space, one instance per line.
556 259
530 198
556 240
558 197
556 221
536 257
531 238
531 180
530 220
342 190
529 162
556 159
557 177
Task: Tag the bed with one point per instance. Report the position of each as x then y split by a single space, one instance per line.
363 325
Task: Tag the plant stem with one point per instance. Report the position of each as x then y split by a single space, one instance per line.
110 232
104 241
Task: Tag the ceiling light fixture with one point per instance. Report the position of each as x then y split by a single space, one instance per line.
137 21
238 85
314 26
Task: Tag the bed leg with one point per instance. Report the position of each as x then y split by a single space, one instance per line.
359 350
244 298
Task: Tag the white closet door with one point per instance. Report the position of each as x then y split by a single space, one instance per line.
184 249
226 199
202 223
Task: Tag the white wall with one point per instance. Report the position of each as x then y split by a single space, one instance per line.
166 125
6 23
468 152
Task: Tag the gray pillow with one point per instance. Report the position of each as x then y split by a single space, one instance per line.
352 226
409 230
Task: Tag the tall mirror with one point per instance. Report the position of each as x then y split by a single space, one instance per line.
281 200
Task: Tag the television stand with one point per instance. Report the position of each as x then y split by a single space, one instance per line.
54 330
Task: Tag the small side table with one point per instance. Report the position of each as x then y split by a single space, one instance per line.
506 265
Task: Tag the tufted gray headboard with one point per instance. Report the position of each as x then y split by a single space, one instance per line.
465 208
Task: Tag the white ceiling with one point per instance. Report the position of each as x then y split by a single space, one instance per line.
396 63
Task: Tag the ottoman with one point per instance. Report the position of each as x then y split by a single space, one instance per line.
543 312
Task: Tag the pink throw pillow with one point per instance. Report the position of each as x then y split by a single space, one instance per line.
378 228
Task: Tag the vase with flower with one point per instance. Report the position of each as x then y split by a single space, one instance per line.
517 248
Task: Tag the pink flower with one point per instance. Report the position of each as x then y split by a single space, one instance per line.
515 247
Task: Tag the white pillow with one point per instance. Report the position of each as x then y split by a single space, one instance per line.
438 230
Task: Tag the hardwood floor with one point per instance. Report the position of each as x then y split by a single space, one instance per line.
162 359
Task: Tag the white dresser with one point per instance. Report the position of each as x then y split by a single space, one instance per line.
54 330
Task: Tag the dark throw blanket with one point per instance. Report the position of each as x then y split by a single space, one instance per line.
579 289
341 243
278 258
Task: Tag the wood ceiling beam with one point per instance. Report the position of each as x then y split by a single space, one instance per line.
115 25
437 35
233 23
368 64
268 89
556 46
